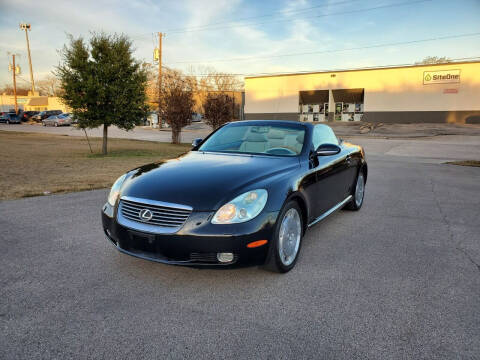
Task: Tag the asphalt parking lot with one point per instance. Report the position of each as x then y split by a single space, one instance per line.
398 280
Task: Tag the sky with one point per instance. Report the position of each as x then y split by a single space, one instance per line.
247 36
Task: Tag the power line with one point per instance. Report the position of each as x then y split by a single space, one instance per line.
280 12
328 51
310 17
203 27
214 26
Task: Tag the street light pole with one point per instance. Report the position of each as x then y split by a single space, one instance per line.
14 70
28 27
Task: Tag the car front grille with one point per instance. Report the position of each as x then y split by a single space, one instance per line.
164 216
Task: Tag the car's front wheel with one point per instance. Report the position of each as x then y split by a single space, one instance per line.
287 239
7 122
358 194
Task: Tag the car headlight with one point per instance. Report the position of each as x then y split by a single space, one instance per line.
115 190
243 208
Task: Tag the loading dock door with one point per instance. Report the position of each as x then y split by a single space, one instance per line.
348 104
313 105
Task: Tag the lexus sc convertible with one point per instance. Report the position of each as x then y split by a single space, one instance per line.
245 194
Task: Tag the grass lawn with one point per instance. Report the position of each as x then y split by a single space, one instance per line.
37 164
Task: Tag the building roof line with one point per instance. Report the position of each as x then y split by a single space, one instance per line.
386 67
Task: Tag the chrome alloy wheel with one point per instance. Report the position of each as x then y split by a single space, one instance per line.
289 236
359 190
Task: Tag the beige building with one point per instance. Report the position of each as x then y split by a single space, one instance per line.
27 103
425 93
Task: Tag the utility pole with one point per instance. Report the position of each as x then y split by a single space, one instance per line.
27 27
14 72
160 35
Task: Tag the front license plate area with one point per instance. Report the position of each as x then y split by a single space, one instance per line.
142 241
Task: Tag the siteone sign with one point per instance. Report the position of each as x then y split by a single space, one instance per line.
441 77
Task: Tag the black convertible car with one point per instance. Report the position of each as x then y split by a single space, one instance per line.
245 194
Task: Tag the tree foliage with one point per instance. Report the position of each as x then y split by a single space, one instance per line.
176 102
218 109
102 83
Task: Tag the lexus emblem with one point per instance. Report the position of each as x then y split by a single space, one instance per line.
145 215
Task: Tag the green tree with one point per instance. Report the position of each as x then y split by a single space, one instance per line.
103 83
218 109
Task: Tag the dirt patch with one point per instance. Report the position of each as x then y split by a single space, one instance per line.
39 164
475 163
403 130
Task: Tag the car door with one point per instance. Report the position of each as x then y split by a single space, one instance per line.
331 171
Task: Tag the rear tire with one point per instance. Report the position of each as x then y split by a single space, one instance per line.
56 124
7 122
358 193
287 240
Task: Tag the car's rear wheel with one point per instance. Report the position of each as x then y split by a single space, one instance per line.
56 124
7 122
358 193
285 247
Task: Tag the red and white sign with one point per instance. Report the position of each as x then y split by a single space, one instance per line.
450 91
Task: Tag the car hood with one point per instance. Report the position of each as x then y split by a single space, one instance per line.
204 181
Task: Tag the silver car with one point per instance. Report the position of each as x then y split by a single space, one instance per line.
58 120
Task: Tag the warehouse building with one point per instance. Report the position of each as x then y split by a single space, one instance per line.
436 93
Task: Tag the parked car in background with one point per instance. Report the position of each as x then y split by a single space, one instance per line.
58 120
10 118
45 114
197 117
28 114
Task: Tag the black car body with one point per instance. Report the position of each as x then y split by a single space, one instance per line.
45 114
189 191
28 114
10 118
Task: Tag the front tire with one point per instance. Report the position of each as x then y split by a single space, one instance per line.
358 193
7 122
287 240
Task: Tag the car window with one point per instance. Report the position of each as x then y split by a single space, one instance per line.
280 140
323 134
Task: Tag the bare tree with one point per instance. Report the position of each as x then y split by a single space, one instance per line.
176 101
8 90
218 109
49 86
434 60
210 81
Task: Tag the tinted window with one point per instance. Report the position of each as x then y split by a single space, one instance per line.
278 140
323 134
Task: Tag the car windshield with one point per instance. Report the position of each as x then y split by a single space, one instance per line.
280 140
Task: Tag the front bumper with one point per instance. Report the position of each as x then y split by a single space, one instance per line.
196 243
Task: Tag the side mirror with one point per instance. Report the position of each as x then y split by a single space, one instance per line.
196 142
327 150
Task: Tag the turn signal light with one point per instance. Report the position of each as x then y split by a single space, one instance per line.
257 243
